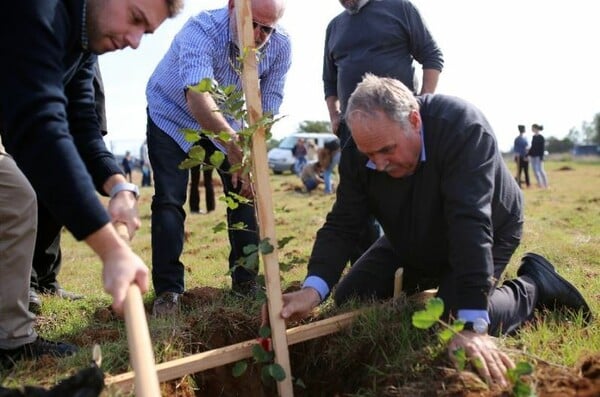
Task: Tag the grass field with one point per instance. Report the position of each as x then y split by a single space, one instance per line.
562 223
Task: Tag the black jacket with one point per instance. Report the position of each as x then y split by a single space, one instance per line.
48 120
444 217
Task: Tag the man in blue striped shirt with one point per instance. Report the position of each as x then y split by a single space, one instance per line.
206 47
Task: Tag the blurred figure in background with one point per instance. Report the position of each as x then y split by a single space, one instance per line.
209 190
536 155
521 149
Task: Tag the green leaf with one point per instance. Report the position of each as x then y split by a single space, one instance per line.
522 389
197 153
239 368
457 326
251 261
224 136
523 368
205 85
264 332
260 355
190 135
189 163
219 227
435 306
231 203
240 226
249 249
445 335
461 358
265 247
229 89
422 319
239 198
276 371
217 158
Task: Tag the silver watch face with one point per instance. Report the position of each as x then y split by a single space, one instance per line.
480 326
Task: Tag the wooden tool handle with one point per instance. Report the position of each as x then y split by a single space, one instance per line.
138 337
398 282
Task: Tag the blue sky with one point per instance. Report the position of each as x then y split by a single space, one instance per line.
521 62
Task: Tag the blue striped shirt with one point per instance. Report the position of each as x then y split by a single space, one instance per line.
203 48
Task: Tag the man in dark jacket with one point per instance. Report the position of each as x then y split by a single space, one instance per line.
430 171
49 127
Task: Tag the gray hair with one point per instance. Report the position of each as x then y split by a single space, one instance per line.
383 94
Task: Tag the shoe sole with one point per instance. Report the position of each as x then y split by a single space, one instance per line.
587 313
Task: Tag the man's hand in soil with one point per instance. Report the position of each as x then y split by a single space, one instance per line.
481 350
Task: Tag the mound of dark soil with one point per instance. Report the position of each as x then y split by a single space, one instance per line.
329 366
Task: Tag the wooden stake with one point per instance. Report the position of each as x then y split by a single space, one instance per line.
138 337
398 282
263 193
225 355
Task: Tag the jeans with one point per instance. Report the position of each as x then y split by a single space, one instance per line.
538 170
335 160
168 214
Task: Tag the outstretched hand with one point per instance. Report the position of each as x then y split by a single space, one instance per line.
297 305
491 363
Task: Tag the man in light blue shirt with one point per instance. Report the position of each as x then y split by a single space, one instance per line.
206 47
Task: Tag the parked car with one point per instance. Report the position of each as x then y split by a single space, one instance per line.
281 159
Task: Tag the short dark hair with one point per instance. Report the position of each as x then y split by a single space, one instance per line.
174 7
521 128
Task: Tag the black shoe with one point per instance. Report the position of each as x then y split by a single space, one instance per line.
166 304
35 303
553 290
247 289
36 349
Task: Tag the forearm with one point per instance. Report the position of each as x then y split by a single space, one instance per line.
430 81
206 112
333 107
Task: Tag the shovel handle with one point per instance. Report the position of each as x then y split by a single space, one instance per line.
138 337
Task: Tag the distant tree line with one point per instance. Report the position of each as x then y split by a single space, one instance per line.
587 134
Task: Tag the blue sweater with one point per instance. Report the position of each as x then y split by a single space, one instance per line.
48 121
383 38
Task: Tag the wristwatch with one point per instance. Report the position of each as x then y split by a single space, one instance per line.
119 187
479 326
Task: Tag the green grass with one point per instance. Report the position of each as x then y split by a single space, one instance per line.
382 349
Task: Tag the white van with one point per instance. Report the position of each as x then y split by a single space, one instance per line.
281 158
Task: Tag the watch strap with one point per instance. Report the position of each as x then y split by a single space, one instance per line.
119 187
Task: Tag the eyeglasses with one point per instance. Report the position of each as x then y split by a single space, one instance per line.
263 28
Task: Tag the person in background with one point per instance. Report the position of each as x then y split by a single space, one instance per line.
329 158
206 47
521 149
126 165
393 35
299 151
146 166
536 155
54 152
209 190
430 171
311 176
